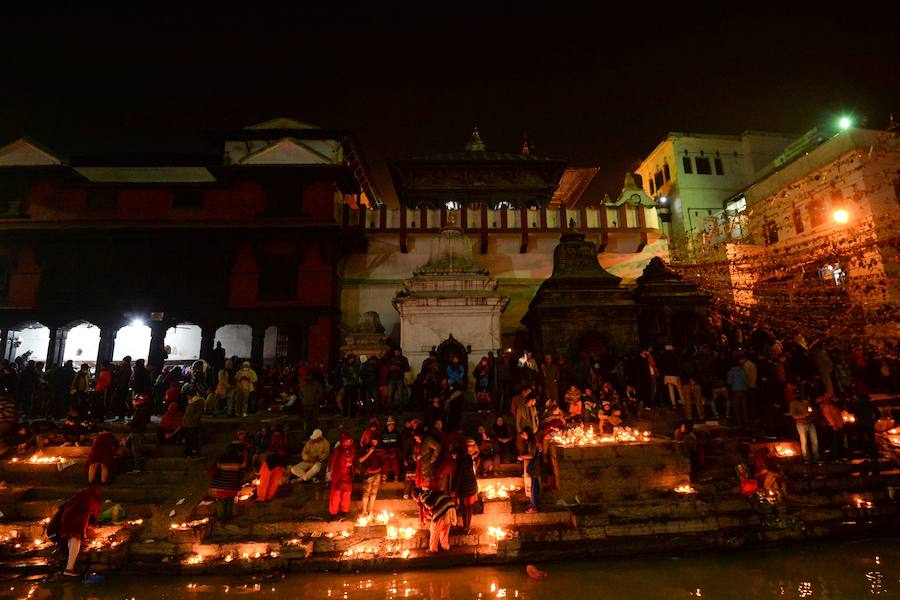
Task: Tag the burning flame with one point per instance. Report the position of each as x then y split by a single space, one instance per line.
403 533
37 459
847 417
861 502
497 533
194 559
784 450
587 436
189 524
494 491
685 488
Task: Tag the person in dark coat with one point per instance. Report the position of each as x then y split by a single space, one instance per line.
139 423
142 382
465 484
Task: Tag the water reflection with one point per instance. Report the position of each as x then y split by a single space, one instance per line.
831 571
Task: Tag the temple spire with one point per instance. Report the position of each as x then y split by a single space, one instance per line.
475 143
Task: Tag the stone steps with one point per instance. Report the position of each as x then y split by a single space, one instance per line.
39 509
117 493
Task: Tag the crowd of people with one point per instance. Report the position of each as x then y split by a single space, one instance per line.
458 425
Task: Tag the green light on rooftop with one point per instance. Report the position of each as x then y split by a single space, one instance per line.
845 123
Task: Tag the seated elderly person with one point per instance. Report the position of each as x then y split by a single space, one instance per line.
313 457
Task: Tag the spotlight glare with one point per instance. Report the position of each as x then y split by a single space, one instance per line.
841 216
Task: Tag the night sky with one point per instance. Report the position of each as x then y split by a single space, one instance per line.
596 87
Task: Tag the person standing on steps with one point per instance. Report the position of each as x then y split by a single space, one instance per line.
245 382
465 484
138 427
370 464
438 508
227 480
225 389
311 395
190 422
341 468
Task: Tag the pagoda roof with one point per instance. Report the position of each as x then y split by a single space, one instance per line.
480 156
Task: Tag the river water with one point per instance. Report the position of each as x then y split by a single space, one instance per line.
830 571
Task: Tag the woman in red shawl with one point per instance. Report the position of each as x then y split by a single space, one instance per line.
76 517
170 425
102 452
341 466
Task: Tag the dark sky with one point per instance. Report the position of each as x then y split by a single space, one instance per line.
596 87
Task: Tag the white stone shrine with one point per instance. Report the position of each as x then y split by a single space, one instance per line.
450 295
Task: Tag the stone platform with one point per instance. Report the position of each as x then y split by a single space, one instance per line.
615 500
618 471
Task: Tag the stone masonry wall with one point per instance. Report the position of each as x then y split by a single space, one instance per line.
617 471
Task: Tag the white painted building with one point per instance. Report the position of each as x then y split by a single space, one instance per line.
696 173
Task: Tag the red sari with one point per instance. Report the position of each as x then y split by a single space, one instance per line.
341 466
103 450
77 514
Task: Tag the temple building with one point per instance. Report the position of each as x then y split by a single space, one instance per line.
504 213
279 246
161 256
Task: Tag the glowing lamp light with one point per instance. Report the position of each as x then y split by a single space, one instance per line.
663 199
845 123
840 216
137 323
784 450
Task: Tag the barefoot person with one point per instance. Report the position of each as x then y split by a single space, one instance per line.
441 510
75 520
101 455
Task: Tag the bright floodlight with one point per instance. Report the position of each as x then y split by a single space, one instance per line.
840 216
845 123
137 323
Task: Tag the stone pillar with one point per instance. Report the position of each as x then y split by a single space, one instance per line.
207 341
57 346
156 357
107 344
256 346
296 344
4 344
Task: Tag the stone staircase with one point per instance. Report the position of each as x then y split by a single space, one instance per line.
293 532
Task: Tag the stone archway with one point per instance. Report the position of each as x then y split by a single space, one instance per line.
82 343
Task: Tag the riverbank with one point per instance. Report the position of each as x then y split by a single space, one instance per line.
171 528
839 570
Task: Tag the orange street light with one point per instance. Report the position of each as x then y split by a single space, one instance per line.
840 216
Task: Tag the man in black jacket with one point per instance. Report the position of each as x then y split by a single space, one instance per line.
121 385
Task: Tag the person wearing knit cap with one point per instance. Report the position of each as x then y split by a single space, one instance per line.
315 453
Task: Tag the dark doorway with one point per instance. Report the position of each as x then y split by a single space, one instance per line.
448 349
